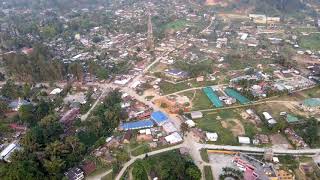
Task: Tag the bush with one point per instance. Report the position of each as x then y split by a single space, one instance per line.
204 155
208 173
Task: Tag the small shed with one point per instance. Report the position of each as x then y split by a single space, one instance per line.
212 136
244 140
196 115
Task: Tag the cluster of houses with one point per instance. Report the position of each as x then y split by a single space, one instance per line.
158 128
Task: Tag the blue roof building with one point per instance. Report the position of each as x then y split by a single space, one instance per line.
159 118
15 105
137 125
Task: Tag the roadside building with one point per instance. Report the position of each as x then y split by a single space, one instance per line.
127 137
68 118
159 118
211 136
292 119
88 167
7 152
74 173
176 74
169 128
173 138
306 168
190 123
269 119
196 115
137 125
244 140
16 104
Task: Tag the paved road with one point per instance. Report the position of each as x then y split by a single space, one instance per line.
127 164
259 150
194 148
85 116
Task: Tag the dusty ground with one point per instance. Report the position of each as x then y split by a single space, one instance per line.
279 141
219 161
235 126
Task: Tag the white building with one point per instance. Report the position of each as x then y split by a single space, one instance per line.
173 138
196 115
56 91
212 136
244 140
7 152
190 123
269 118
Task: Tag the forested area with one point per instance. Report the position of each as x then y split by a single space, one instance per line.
166 166
46 152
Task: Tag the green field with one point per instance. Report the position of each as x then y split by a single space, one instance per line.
200 100
176 25
311 42
141 149
208 173
204 155
211 124
168 88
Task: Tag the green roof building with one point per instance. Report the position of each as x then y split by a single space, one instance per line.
312 102
292 119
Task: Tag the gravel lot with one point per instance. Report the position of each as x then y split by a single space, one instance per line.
219 161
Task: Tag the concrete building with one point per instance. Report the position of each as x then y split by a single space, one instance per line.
211 136
196 115
244 140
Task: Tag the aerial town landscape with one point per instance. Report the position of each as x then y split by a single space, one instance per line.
160 89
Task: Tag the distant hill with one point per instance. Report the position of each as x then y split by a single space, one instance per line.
262 6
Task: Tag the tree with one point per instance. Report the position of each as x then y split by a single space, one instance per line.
76 70
139 171
56 148
54 165
193 172
50 128
26 114
26 90
184 128
3 108
10 90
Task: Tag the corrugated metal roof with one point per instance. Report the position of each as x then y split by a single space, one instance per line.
137 125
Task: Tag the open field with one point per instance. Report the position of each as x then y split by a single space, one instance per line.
311 42
210 123
168 88
175 25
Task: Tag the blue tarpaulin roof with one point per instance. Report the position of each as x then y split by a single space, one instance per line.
137 125
159 117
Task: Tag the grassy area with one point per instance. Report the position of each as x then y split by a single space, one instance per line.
211 124
141 149
204 155
289 162
201 101
168 88
311 42
175 25
108 177
306 29
250 129
208 173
